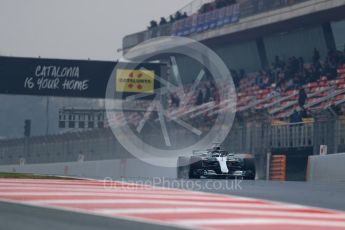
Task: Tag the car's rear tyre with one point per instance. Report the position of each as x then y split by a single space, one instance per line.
183 168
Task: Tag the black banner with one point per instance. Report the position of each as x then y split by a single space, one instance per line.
57 77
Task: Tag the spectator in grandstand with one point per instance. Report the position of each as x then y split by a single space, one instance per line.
298 80
220 4
275 92
330 70
153 24
163 21
280 77
278 63
302 97
308 75
305 114
185 15
223 3
171 19
316 56
264 79
175 100
235 77
293 66
242 74
207 93
301 64
295 117
342 109
199 98
217 4
258 79
290 84
214 93
334 57
206 8
178 16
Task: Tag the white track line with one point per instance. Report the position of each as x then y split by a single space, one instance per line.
113 188
162 201
118 194
259 221
222 211
78 183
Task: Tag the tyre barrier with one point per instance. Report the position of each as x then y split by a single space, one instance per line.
278 168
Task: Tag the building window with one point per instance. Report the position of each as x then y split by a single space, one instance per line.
91 124
71 124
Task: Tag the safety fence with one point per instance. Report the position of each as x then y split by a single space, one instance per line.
262 138
100 144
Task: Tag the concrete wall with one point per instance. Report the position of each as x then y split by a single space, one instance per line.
298 43
329 168
338 29
240 55
96 169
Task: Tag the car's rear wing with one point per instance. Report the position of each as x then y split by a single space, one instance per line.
199 152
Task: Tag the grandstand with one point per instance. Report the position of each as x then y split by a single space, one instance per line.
310 25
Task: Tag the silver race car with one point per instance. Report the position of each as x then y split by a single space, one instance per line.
216 163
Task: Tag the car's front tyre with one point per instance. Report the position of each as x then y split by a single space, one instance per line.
195 164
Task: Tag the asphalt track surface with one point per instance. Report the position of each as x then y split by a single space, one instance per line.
48 204
17 216
323 195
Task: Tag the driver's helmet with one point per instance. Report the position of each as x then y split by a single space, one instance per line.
216 149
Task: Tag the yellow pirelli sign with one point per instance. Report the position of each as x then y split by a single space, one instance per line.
135 81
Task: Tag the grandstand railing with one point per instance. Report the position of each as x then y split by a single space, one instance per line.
262 138
247 8
292 135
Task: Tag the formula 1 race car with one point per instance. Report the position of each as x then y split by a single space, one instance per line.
215 163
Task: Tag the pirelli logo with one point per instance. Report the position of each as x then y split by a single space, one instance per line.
135 81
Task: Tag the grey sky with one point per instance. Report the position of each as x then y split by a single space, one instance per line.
76 29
